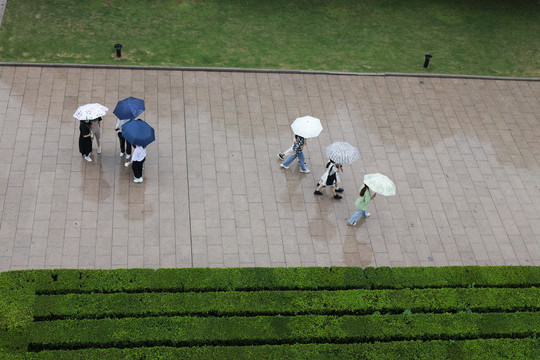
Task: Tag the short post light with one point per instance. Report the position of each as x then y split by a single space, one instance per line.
426 62
118 48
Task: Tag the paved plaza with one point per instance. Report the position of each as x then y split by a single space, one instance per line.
462 152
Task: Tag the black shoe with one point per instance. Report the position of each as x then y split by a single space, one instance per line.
339 190
338 197
317 193
281 156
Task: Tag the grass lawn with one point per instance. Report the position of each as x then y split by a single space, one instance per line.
481 37
271 313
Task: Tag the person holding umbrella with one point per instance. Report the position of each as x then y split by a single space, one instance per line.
126 110
125 146
298 152
330 178
140 134
93 113
137 162
96 132
282 156
362 201
85 140
373 184
340 153
303 128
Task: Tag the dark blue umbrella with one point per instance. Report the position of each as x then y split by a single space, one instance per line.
129 108
138 132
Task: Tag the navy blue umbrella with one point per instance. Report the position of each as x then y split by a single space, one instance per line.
138 132
129 108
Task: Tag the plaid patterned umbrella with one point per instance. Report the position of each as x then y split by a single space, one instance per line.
342 153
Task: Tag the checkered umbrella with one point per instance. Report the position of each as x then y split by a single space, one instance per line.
342 153
90 112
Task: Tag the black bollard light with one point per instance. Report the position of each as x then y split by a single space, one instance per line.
118 48
426 63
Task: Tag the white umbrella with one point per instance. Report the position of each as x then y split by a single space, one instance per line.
90 112
380 184
342 153
307 127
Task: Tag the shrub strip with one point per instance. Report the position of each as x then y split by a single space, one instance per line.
340 302
190 331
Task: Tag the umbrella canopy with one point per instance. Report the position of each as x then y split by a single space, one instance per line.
90 111
138 132
380 184
307 127
129 108
342 153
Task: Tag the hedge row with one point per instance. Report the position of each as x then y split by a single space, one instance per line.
191 331
197 279
324 302
515 349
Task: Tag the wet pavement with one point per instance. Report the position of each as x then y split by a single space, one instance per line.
462 152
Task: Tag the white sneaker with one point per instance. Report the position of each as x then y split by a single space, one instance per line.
99 149
126 164
121 154
128 156
283 166
367 214
138 180
88 158
307 171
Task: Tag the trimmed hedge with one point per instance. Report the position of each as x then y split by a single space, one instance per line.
191 331
196 279
77 306
285 312
422 350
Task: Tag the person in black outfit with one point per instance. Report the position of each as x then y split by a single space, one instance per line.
85 140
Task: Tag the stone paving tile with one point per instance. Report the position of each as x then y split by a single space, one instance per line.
462 152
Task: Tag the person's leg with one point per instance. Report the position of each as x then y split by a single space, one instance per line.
97 135
336 196
122 143
289 160
289 151
137 169
128 149
357 215
333 190
302 160
318 190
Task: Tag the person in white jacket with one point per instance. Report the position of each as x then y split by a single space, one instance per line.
330 178
137 162
125 146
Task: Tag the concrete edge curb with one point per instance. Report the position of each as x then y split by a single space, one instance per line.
275 71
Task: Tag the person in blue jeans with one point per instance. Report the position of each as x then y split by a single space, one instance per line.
298 153
362 201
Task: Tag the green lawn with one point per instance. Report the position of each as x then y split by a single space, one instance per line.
272 313
483 37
